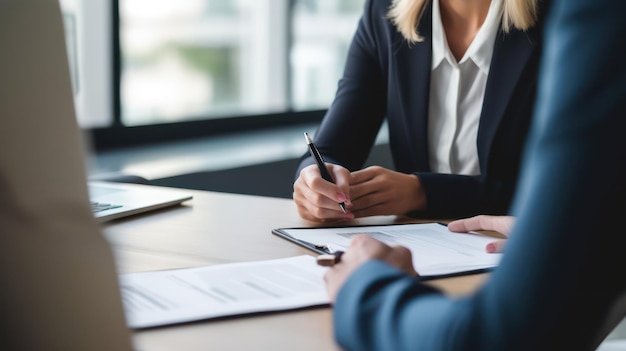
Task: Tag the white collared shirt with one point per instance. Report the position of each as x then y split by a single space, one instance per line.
456 95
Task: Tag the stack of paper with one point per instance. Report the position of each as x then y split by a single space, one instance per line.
184 295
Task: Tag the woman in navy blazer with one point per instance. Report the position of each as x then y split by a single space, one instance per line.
388 77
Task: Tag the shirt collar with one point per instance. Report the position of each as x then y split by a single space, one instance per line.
481 48
439 42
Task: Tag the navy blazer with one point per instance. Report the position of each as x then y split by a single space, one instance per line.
386 77
563 273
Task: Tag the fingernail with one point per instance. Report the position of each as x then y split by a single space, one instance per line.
491 248
342 197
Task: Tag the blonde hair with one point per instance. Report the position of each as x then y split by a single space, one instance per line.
406 14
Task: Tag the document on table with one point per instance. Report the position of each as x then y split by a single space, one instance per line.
435 250
183 295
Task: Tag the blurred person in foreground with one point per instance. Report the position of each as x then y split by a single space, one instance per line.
560 284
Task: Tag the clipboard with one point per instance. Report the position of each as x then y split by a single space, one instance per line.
322 247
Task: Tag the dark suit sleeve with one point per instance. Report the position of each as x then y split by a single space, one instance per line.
454 195
564 267
351 124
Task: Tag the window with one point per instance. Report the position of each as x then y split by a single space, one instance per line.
197 59
89 29
205 66
322 31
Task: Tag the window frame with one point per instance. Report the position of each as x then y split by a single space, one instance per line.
118 135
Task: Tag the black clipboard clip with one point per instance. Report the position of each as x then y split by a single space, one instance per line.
318 248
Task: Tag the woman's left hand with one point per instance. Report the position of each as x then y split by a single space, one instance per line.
379 191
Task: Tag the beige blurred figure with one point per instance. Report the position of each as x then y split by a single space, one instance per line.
59 282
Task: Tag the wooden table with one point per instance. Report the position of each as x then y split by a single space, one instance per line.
216 228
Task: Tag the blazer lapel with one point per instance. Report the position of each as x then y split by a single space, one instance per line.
511 53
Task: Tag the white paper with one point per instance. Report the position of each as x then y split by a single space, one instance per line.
436 251
183 295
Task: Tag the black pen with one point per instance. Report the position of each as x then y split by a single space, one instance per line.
321 165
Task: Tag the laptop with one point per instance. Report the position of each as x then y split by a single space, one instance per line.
111 200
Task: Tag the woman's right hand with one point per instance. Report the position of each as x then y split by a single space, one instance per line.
317 199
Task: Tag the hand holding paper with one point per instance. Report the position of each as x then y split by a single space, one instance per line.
362 249
500 224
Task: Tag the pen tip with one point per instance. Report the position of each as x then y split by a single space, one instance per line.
307 138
